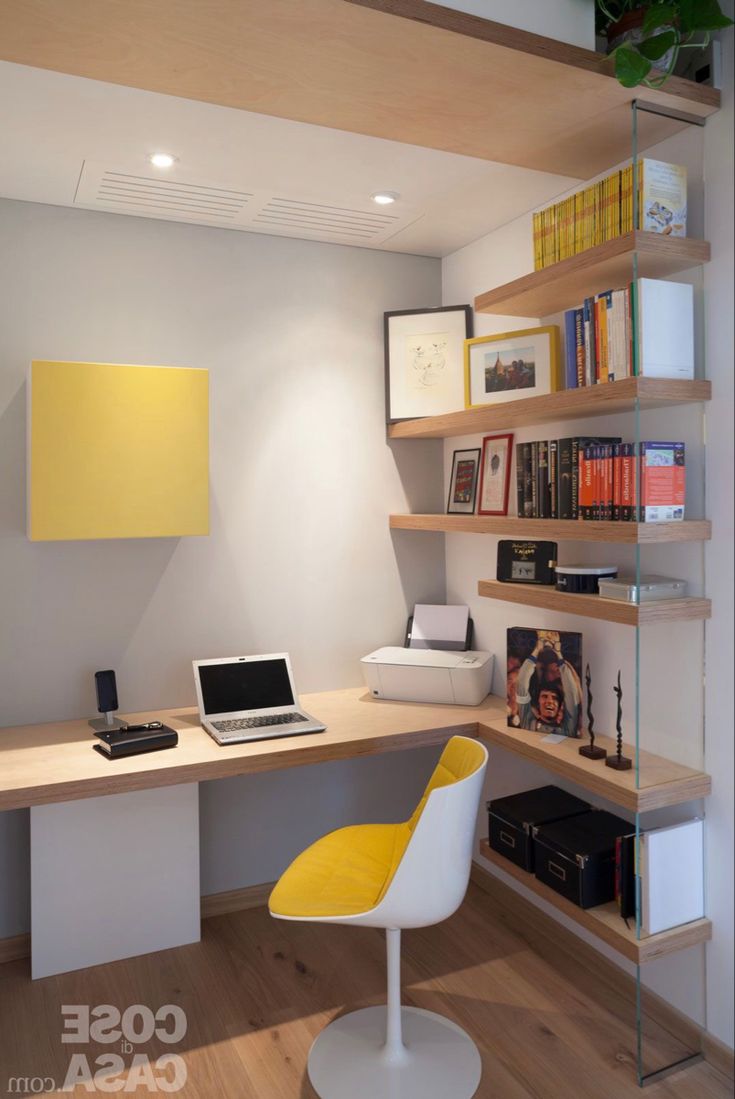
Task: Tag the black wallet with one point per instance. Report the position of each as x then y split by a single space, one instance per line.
116 744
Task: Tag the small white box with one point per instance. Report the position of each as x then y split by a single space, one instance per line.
665 320
428 675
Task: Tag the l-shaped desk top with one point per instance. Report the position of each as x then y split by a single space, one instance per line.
41 764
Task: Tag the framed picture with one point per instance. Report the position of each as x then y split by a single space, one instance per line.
510 366
544 684
423 361
463 482
497 453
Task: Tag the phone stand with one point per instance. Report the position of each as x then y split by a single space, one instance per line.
105 723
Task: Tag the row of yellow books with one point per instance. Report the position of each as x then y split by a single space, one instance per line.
605 210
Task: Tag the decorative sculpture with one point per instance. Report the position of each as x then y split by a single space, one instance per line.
619 761
589 750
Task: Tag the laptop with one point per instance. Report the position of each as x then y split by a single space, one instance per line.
250 698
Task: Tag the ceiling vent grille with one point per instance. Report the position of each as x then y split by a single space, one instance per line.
307 216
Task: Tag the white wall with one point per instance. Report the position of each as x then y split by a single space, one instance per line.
566 20
672 719
299 558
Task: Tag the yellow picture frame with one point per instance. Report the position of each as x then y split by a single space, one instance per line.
510 382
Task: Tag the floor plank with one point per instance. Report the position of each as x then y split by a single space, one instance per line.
256 992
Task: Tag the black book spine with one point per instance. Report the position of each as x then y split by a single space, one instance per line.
527 482
520 483
553 479
575 479
534 481
542 480
564 479
616 460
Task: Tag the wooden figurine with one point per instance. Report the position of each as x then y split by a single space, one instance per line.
589 750
619 761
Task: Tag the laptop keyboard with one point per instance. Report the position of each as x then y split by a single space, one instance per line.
236 724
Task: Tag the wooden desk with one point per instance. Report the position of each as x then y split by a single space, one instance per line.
115 843
44 764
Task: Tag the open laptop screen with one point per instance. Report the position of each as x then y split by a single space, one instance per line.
245 685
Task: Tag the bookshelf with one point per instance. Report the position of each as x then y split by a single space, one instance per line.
662 782
402 70
554 530
567 404
594 606
604 920
566 284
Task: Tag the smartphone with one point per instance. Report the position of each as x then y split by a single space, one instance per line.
106 687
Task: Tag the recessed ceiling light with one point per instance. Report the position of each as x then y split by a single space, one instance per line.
384 198
162 160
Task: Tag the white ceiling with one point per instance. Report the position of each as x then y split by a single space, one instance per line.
62 134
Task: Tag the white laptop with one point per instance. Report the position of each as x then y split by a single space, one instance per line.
249 698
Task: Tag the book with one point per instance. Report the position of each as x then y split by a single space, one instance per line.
570 349
604 210
579 346
520 494
553 478
568 472
662 203
625 886
528 500
662 481
665 328
628 509
534 480
588 314
542 480
671 871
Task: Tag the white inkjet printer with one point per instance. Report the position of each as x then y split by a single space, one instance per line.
436 663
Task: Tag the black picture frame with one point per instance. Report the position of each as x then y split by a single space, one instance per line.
390 319
466 507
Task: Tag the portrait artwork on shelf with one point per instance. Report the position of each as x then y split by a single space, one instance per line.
497 453
423 361
463 482
544 684
512 365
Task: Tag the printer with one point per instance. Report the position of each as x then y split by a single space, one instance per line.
435 664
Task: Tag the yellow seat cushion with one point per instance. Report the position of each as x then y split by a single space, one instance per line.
343 873
349 871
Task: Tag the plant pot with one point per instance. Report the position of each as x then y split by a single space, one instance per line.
630 29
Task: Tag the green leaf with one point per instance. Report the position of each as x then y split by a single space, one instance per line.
660 15
701 15
630 67
654 48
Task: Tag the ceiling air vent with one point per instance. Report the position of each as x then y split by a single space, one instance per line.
343 220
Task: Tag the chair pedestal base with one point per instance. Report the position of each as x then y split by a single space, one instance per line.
348 1060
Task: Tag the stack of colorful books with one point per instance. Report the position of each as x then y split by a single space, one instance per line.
605 210
601 478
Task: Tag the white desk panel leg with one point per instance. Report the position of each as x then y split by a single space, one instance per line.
114 876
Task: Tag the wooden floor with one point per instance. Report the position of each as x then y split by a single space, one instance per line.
256 991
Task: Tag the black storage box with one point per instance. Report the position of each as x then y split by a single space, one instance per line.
576 857
512 819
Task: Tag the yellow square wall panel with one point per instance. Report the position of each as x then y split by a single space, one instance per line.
117 451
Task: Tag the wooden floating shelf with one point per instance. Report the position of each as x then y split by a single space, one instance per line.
573 530
661 781
567 404
594 606
410 71
604 920
566 284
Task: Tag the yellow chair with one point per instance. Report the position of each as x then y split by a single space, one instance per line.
395 876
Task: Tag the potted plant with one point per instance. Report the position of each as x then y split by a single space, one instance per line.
646 36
